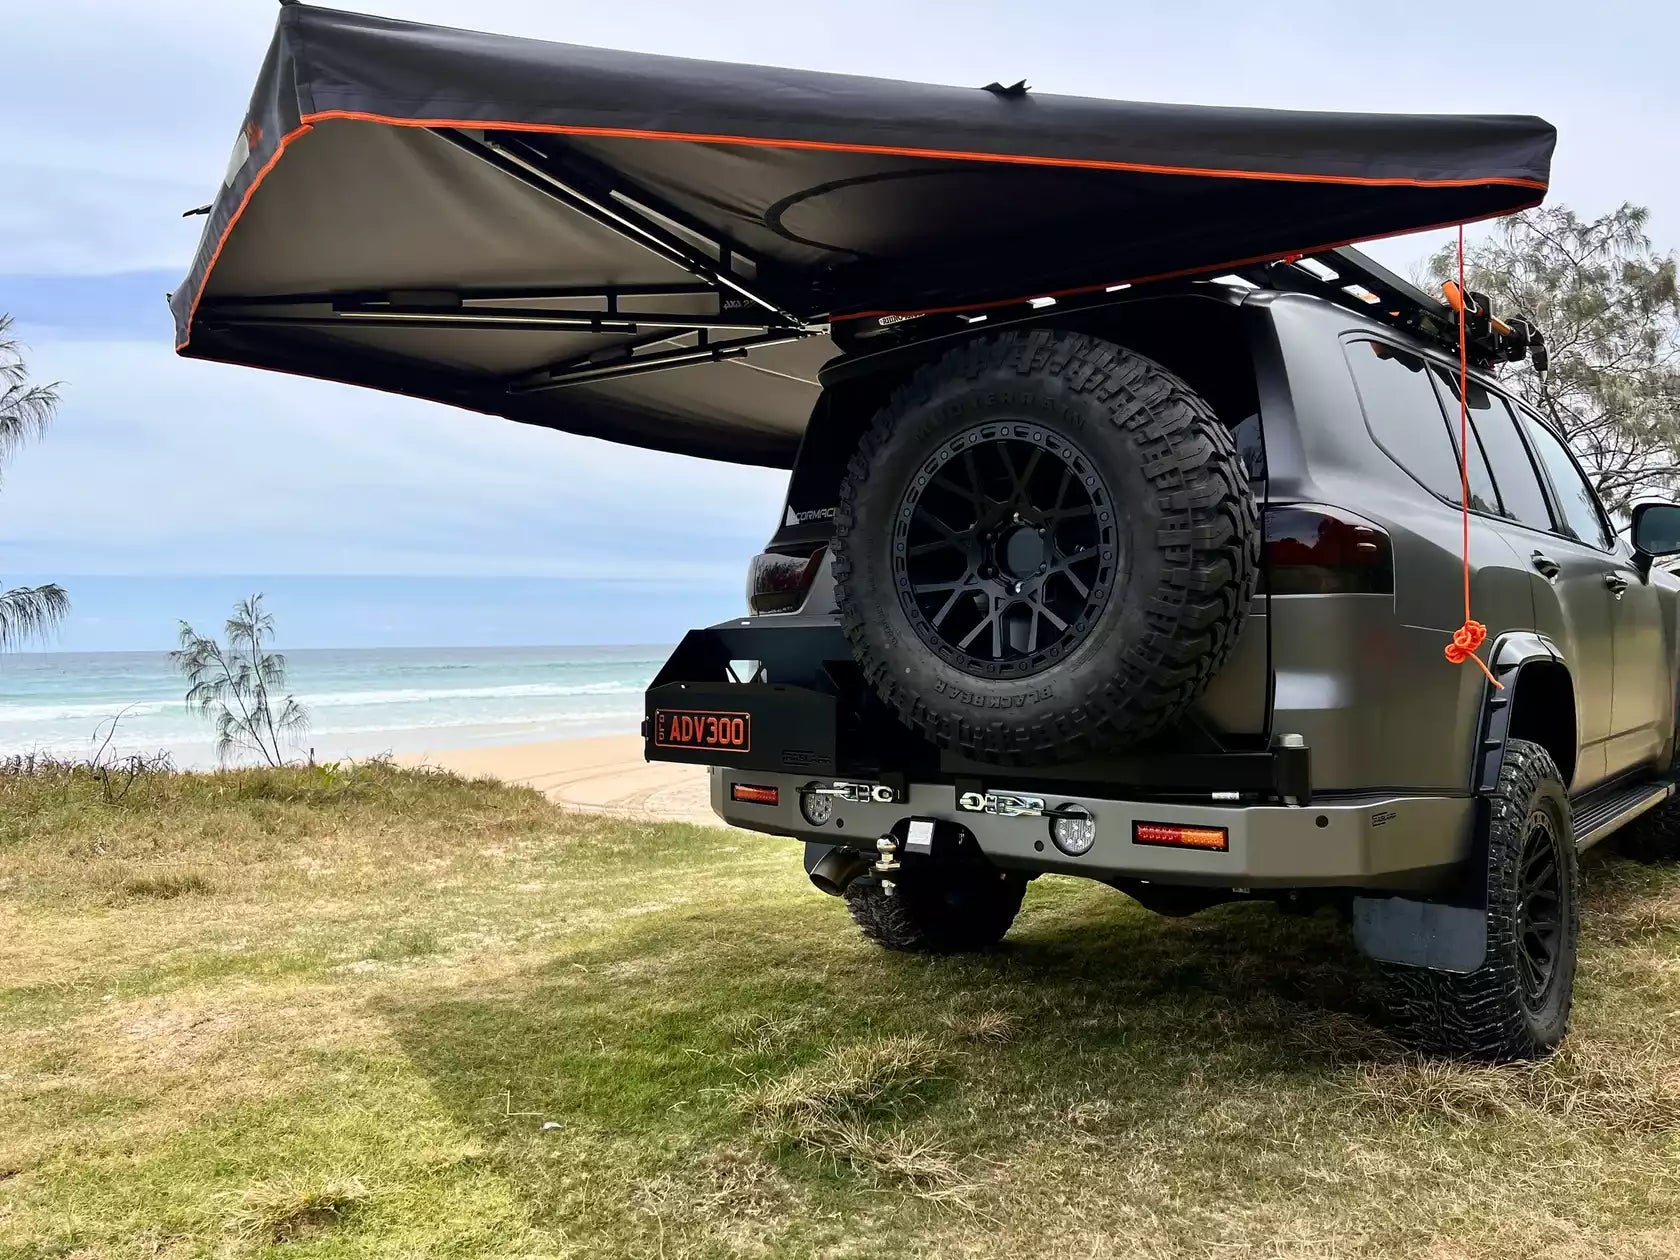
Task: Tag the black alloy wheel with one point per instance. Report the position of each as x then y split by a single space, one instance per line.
1044 547
1005 549
1540 916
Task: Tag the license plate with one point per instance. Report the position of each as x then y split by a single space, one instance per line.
702 728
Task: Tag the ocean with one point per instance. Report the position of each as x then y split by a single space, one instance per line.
362 702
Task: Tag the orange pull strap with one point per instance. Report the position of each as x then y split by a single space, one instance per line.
1472 634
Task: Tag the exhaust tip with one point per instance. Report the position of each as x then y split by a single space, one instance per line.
836 870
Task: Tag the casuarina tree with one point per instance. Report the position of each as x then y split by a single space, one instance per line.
25 412
239 684
1609 307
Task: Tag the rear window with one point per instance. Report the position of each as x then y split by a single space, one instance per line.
1404 415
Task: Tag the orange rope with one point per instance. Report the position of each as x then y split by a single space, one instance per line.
1472 634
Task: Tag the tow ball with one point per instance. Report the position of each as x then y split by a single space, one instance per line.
886 865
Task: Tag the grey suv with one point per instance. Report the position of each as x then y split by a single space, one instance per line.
1156 590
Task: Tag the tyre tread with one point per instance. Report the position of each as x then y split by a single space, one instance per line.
911 921
1479 1016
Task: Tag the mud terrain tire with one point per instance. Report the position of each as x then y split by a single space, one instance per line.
1501 1012
951 912
1045 546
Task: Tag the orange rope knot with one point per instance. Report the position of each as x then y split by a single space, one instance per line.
1466 639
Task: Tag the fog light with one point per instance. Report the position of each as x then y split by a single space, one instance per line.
1073 830
817 807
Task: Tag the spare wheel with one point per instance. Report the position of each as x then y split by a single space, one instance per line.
1045 546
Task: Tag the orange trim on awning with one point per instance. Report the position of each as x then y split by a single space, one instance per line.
227 231
894 150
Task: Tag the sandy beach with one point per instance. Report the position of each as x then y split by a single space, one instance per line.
604 775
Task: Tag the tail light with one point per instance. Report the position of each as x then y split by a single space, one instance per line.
1176 836
1326 551
778 583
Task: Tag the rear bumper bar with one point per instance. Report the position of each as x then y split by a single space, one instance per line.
797 704
1388 842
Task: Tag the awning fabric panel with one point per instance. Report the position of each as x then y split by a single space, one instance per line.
400 194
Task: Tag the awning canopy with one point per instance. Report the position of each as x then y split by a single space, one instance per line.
650 249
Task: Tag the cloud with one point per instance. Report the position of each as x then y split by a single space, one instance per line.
164 465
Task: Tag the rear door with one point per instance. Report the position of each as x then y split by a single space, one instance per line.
1637 717
1572 603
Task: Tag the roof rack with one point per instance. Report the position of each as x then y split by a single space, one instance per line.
1344 276
1352 279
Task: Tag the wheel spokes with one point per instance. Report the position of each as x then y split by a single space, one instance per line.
979 588
1084 591
938 618
1023 482
1540 924
942 544
1049 616
989 619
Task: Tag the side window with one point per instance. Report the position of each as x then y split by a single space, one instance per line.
1483 496
1520 495
1582 516
1250 448
1404 414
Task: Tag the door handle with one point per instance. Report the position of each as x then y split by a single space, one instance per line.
1616 582
1548 567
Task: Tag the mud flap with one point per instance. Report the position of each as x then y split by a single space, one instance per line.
1420 933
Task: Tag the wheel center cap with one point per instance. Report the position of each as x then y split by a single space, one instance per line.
1022 553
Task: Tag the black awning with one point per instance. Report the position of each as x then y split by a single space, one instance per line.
650 249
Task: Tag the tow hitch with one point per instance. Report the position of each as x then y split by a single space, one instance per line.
887 865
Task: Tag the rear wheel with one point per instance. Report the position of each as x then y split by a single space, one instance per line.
1044 546
1516 1004
938 911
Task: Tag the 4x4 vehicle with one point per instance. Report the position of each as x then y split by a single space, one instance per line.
1128 519
1028 639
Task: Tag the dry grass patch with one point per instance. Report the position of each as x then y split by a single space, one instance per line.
163 886
993 1026
861 1081
848 1108
753 1033
1617 1086
297 1210
732 1197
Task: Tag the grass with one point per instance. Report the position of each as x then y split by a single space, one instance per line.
357 1011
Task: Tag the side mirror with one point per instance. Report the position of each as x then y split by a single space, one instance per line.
1656 531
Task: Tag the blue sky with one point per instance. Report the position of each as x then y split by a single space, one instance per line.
167 487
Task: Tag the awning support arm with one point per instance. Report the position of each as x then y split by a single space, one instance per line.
446 295
580 371
533 319
624 211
